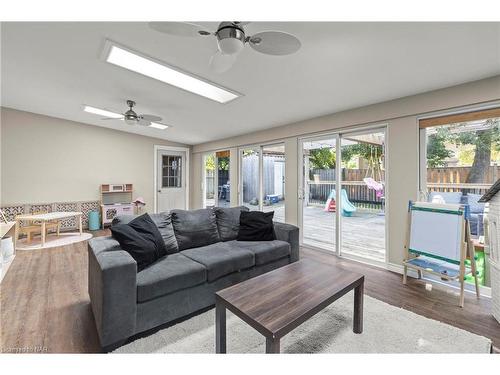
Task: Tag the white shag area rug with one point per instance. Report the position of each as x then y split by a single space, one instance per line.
387 329
52 240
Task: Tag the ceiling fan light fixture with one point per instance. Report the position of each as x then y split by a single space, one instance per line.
230 46
130 120
230 38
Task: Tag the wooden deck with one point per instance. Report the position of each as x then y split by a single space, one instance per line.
363 234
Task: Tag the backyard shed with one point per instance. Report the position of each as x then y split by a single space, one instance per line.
492 240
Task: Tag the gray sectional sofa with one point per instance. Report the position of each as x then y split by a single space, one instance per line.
205 258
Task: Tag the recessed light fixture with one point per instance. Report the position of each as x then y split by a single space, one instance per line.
102 112
133 61
118 116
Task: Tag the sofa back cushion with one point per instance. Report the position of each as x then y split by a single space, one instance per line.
141 239
195 228
228 221
163 221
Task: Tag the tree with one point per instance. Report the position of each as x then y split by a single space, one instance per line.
322 158
485 140
437 152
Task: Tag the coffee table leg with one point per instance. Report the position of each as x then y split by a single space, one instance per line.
220 328
272 345
358 308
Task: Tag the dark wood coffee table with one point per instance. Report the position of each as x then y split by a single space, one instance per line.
277 302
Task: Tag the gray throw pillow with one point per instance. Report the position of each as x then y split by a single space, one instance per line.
164 223
195 228
228 221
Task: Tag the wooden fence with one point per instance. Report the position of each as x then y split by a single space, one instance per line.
454 179
322 181
273 175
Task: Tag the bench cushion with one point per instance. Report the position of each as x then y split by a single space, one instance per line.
265 251
221 259
169 274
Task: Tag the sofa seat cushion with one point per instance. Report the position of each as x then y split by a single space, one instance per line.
265 251
221 259
167 275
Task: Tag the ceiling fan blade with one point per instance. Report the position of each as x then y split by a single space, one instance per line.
112 118
220 62
185 29
274 43
150 118
143 122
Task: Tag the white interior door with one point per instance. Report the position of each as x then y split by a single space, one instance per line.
171 180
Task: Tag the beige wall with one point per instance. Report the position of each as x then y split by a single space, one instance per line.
400 116
46 159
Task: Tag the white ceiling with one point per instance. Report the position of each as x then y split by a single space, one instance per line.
55 68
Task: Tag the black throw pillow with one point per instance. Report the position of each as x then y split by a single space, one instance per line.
141 239
256 226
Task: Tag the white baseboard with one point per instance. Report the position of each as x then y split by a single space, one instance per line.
398 268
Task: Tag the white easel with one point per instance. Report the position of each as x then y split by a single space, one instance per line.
441 232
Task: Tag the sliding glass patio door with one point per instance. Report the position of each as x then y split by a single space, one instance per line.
342 193
317 194
363 195
262 179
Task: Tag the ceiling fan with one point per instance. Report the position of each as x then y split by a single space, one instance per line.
132 118
231 39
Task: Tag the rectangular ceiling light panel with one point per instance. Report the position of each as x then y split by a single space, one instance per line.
157 125
101 112
132 61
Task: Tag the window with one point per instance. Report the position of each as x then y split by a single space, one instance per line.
171 171
459 161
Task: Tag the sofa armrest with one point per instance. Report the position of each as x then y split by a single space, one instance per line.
112 284
290 234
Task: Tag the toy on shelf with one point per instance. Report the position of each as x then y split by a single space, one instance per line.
139 204
116 199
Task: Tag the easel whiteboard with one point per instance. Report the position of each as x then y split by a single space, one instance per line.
437 231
